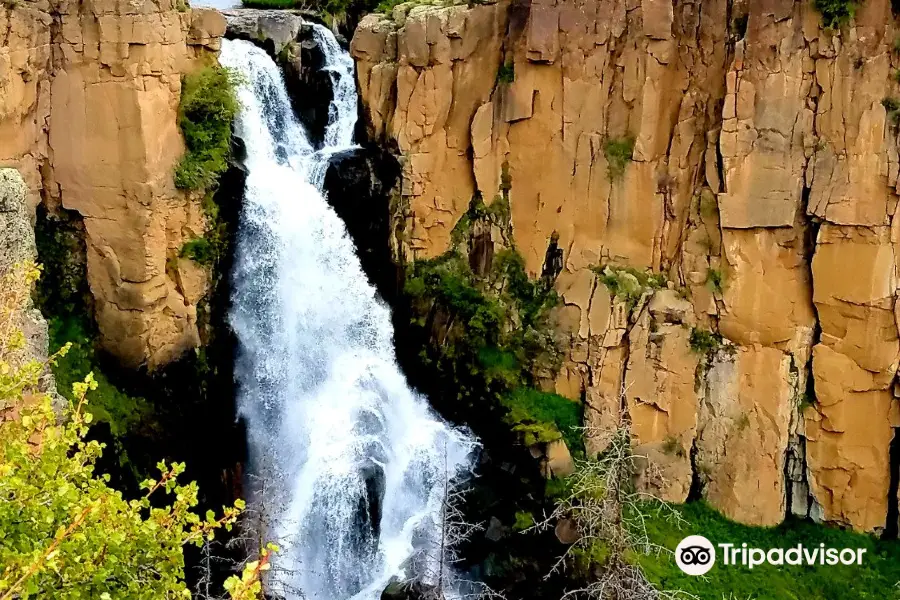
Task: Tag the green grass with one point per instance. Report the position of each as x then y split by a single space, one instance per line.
874 580
545 417
499 364
107 403
619 152
208 107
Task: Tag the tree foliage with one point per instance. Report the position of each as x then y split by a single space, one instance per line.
64 532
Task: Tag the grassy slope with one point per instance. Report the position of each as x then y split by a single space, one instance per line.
875 579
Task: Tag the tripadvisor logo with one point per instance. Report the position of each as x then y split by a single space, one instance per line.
696 555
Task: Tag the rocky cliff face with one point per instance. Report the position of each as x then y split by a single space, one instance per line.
738 148
17 253
89 97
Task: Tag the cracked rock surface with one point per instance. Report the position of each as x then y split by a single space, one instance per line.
763 182
89 97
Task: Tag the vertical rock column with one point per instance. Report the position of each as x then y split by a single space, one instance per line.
424 71
17 249
24 90
751 397
853 181
114 143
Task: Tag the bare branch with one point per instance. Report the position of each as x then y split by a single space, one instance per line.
608 513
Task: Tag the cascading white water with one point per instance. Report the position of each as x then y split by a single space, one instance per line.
355 461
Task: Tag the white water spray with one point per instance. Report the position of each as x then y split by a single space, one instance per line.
355 459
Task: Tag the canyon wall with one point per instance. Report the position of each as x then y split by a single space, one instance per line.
89 97
738 148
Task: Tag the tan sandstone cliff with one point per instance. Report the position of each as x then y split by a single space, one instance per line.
763 159
89 97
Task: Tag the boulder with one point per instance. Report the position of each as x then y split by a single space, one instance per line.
274 29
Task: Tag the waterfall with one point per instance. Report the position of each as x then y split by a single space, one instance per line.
354 461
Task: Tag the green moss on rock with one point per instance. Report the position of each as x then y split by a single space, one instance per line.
108 404
490 334
63 297
619 152
544 417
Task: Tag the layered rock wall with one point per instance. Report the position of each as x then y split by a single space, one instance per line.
760 177
89 97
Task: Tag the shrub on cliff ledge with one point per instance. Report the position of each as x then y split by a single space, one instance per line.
619 153
544 417
208 107
836 12
487 338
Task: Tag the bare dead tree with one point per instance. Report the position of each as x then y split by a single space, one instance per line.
254 532
607 511
478 590
261 524
208 558
437 578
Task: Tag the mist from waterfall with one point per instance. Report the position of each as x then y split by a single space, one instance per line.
353 460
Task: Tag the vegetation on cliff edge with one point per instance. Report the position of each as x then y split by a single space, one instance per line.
490 336
63 297
207 110
628 283
619 152
836 12
626 541
481 345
